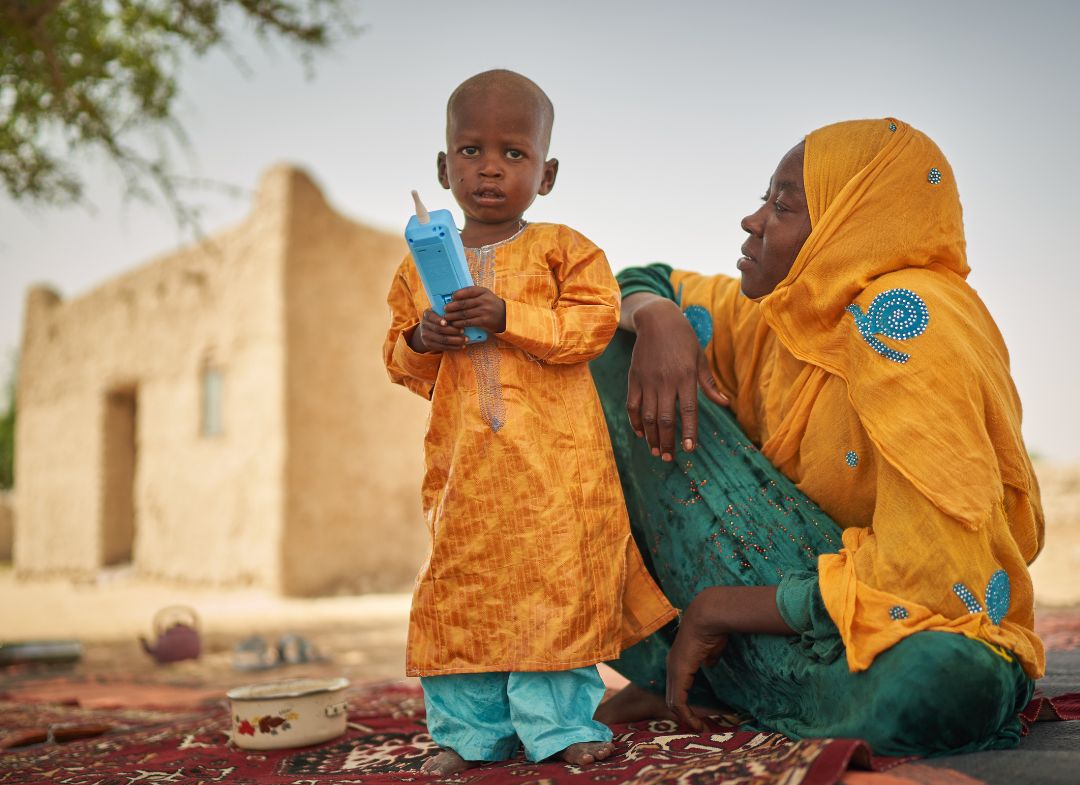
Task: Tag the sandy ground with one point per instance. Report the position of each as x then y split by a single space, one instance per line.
362 637
1056 570
119 606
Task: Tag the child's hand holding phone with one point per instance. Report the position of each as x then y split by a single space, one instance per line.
477 306
435 334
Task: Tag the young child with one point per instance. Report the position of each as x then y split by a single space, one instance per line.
533 576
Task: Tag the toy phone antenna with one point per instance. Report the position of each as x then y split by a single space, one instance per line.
421 211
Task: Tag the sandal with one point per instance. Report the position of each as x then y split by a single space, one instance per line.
294 650
254 654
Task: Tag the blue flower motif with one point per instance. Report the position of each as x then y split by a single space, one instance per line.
898 612
997 596
701 320
852 458
899 314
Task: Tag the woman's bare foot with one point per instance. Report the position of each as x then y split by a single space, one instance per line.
585 752
631 704
446 762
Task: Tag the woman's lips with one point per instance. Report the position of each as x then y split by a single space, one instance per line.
745 260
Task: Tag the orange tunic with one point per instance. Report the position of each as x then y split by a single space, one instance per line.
532 565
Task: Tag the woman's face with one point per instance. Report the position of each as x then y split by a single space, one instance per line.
777 229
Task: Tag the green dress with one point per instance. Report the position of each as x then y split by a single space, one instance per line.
723 515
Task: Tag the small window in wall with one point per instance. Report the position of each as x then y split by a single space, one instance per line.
212 383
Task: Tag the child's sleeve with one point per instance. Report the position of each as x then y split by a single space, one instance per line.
578 327
408 368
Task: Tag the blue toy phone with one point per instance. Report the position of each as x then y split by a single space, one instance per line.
440 259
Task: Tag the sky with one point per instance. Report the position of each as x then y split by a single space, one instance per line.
669 119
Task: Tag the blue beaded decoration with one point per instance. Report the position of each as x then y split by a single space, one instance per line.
899 314
997 596
898 612
701 320
934 176
852 458
892 127
965 595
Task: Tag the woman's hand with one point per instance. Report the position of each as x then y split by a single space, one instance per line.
666 369
436 334
700 640
477 306
703 632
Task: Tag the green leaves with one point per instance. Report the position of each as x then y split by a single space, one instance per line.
101 75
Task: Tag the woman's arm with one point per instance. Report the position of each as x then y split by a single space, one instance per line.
703 631
666 369
632 303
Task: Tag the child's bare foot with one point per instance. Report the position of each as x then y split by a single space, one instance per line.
585 752
631 704
446 762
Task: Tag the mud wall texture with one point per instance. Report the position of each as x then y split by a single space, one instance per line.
221 415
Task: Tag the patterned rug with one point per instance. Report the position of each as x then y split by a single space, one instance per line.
385 743
184 740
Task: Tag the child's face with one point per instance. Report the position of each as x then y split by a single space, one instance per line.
494 163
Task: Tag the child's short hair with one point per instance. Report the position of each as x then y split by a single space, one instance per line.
514 86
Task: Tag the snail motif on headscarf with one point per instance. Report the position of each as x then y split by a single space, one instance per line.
898 314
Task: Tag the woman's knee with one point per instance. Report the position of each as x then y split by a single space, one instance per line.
942 692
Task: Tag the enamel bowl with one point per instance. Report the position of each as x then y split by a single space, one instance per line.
290 713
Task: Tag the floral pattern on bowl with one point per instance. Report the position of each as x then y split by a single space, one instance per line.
269 723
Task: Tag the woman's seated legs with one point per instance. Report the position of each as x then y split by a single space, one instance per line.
724 515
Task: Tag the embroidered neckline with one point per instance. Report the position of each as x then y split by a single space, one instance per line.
510 239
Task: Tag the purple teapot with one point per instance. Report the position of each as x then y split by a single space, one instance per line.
176 628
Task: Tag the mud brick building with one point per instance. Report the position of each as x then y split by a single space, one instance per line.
222 415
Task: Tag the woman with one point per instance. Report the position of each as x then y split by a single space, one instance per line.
860 371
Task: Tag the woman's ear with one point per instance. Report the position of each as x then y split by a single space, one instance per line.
547 181
440 166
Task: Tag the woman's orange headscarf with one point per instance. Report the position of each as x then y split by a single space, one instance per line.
886 263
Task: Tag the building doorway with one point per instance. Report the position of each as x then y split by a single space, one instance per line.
120 461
